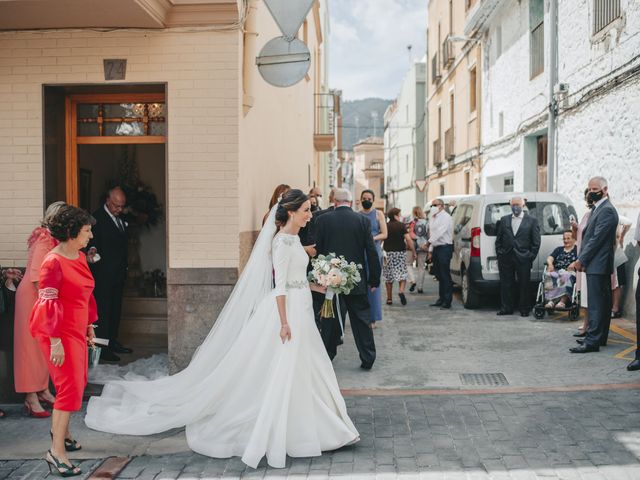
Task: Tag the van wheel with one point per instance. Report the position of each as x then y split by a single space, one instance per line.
470 298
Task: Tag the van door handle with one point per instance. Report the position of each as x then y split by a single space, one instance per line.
466 239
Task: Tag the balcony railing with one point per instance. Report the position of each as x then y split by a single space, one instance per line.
448 56
436 75
448 144
437 152
324 124
375 167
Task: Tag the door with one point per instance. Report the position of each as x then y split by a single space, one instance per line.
542 163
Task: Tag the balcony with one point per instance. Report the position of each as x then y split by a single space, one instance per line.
46 14
436 75
479 14
324 134
448 145
448 55
437 153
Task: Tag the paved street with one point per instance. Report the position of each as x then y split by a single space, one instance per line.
560 416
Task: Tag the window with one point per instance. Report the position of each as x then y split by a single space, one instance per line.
536 43
442 189
604 13
508 184
555 218
462 217
472 90
498 41
492 214
467 182
451 17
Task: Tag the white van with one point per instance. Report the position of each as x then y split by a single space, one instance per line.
474 265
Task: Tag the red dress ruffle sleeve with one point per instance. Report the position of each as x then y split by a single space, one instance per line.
47 316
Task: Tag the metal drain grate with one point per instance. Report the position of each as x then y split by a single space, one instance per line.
484 379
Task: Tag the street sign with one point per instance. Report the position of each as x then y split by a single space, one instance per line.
283 62
289 14
421 185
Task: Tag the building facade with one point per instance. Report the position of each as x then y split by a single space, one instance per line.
188 116
369 169
404 142
453 101
596 100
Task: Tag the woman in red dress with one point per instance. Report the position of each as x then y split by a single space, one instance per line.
29 366
61 321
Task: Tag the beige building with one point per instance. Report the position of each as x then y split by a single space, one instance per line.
453 101
188 116
368 169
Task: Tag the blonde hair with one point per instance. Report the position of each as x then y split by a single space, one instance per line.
417 212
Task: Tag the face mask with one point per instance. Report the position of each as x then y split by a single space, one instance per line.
595 197
314 208
367 204
434 210
516 209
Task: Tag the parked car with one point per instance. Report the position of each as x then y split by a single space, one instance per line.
474 266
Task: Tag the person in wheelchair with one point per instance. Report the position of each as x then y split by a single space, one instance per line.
559 280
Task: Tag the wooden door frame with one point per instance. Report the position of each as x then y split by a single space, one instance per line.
72 139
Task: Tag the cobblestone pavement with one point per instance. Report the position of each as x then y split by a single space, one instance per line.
447 432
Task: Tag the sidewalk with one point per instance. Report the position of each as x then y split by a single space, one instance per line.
417 419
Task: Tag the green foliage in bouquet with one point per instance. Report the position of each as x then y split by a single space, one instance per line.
335 273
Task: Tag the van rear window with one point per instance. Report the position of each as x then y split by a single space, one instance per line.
553 217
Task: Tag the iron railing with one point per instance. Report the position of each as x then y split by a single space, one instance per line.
447 52
435 69
324 114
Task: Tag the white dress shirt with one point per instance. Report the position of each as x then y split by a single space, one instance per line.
117 220
440 230
516 221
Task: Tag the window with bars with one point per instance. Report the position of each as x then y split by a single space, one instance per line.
536 43
604 13
473 88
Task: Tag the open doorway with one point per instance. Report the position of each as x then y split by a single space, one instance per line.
98 137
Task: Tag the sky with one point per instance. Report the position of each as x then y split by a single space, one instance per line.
368 45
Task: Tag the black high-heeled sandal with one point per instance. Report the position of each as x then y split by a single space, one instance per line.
60 468
70 445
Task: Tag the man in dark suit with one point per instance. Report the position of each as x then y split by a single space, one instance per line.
596 259
110 271
517 245
345 232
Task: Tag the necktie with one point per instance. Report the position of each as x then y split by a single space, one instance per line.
120 224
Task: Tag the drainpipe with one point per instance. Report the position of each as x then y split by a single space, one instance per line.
553 80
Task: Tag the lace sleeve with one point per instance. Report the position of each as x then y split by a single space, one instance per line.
281 257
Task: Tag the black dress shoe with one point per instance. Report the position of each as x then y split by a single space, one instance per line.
412 288
580 341
633 366
117 347
504 312
436 304
580 334
445 306
366 366
584 349
108 356
524 314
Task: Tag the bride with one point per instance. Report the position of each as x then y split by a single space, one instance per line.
261 383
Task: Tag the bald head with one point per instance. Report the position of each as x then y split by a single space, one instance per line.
116 200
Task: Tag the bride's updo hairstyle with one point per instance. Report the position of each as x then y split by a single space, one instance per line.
291 201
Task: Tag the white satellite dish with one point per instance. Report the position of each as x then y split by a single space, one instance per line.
289 14
284 62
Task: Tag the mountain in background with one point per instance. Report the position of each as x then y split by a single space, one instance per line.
358 117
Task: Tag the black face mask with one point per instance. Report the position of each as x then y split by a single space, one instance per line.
595 197
367 204
314 208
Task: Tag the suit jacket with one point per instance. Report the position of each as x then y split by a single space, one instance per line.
598 240
345 232
524 245
111 244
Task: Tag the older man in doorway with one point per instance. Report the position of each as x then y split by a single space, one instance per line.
517 246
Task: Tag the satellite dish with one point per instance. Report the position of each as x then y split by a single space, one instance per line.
284 62
289 14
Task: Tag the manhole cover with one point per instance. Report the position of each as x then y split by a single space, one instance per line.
488 379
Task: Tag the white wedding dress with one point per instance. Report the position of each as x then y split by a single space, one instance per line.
245 393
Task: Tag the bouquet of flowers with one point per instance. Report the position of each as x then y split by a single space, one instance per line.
337 275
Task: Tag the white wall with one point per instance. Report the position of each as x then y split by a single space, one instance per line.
508 90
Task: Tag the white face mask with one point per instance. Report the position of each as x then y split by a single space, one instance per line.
434 210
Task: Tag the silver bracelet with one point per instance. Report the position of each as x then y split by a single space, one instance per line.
56 344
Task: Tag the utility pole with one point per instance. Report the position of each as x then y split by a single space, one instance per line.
553 107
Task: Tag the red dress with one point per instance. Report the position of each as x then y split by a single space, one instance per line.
64 308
